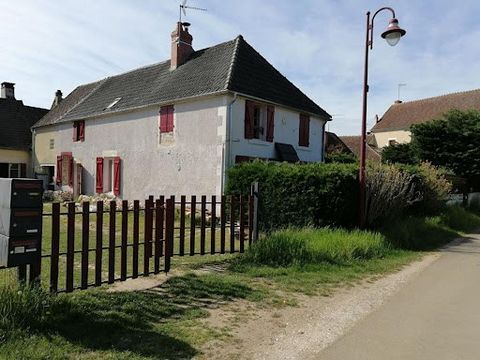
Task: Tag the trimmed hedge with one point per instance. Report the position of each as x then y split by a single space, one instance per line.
300 195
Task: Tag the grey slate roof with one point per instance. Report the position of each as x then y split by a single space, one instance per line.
230 66
16 120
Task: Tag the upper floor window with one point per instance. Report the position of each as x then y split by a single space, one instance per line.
259 121
166 119
304 131
79 130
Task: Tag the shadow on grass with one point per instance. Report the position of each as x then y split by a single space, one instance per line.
137 322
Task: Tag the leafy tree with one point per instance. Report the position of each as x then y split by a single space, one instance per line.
399 154
452 141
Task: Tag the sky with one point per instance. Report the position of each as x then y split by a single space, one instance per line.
317 44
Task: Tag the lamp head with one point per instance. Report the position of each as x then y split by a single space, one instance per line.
393 32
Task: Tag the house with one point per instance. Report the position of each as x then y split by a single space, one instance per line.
394 126
15 136
175 127
371 151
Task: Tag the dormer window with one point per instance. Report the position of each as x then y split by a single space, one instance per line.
113 103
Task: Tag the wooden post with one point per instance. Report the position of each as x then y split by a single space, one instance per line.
182 225
148 237
232 224
172 245
193 211
203 224
213 218
169 232
136 228
255 192
85 243
99 244
70 246
55 247
111 242
223 220
242 225
123 259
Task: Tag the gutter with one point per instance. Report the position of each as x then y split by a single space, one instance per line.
227 161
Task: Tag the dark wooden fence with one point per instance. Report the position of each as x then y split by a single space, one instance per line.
106 243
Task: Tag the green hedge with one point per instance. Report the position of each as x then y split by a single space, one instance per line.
300 195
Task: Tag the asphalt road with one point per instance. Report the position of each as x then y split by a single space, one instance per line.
435 316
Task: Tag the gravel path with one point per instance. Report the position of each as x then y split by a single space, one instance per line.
299 332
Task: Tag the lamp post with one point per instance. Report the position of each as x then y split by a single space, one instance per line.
392 35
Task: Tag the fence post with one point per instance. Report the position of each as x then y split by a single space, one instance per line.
123 258
147 246
99 244
55 247
255 192
70 246
85 243
169 232
111 242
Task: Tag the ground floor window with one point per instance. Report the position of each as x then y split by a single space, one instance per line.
13 170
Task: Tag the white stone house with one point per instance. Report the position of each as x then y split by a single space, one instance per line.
175 127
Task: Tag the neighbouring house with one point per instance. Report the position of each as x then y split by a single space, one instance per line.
15 135
353 143
394 126
335 145
175 127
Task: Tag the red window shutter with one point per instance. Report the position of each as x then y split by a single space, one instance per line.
304 131
75 131
249 119
99 175
170 119
270 123
70 170
81 130
23 170
166 119
59 170
116 176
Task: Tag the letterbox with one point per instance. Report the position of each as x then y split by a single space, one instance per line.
20 221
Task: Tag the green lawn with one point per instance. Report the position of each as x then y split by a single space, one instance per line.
167 322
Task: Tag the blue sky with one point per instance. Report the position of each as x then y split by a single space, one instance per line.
318 44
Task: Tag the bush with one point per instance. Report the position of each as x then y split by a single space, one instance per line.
308 246
389 191
460 219
299 195
341 157
399 154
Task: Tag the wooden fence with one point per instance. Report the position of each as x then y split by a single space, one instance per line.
105 243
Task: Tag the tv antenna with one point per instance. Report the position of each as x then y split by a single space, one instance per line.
399 88
184 7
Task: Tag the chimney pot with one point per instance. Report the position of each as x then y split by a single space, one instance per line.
7 90
57 99
398 101
181 45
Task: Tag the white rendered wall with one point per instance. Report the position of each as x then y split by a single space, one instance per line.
190 164
286 131
16 157
400 137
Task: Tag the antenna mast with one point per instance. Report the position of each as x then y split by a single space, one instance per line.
184 6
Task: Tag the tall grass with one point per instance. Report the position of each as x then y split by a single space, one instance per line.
307 246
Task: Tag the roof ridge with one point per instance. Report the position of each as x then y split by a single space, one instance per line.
233 62
100 83
436 97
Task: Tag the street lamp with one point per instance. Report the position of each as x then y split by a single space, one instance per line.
392 35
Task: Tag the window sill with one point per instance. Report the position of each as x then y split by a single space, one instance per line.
259 142
303 148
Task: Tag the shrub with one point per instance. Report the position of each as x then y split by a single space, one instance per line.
341 157
299 194
389 191
460 219
307 246
399 154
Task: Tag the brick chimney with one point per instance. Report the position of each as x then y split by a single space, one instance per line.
57 99
181 45
7 90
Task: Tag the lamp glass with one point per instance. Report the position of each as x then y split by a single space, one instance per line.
393 38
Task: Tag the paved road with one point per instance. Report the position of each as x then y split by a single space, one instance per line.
435 316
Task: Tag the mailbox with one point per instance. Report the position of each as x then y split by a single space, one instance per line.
20 221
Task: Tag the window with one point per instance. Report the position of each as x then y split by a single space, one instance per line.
78 131
259 121
52 144
166 119
108 175
304 131
14 171
113 103
392 142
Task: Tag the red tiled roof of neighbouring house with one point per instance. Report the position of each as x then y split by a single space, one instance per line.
400 116
353 143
